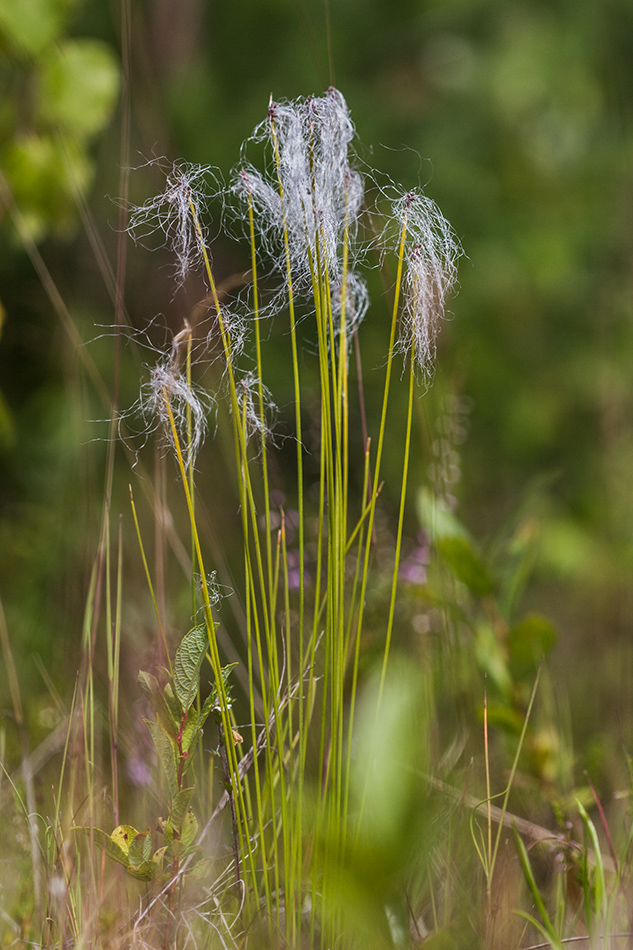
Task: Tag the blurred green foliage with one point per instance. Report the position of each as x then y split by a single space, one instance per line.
57 92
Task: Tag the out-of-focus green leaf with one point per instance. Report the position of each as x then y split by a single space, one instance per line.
116 845
180 808
504 717
466 565
78 86
517 564
44 174
528 641
491 658
31 25
189 829
436 518
140 848
167 753
164 703
123 836
7 428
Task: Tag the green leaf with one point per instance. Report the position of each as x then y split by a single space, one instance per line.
528 641
146 871
173 705
30 25
491 658
466 565
140 848
180 808
78 86
191 730
45 172
187 665
115 848
504 717
189 829
438 520
122 837
167 753
164 703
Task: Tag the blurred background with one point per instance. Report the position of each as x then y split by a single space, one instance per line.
516 117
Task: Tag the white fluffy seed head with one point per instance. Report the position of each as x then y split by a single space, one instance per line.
313 192
171 213
168 389
431 254
257 409
352 298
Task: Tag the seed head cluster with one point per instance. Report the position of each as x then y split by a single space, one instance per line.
310 198
431 254
306 207
177 213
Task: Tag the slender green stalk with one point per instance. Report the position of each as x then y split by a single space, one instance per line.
403 495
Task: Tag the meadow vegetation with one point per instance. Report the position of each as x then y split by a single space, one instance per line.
304 705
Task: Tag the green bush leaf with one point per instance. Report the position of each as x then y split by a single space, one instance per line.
31 25
528 641
44 173
78 86
164 703
491 657
187 665
167 753
189 829
466 565
115 845
436 518
122 837
140 848
146 870
180 808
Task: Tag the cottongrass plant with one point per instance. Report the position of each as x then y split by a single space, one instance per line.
298 816
303 784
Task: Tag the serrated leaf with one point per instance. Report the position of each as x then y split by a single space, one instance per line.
187 665
180 808
466 565
167 753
